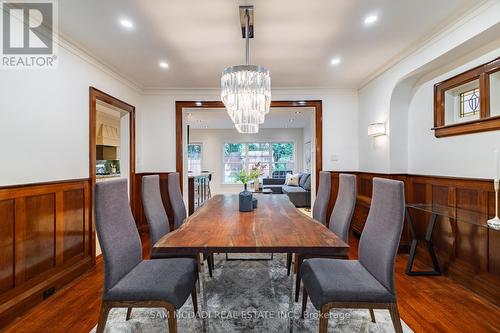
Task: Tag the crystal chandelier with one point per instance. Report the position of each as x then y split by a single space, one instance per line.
246 89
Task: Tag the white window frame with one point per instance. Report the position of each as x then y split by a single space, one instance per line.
245 155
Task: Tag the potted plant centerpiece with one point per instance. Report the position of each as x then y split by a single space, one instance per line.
259 169
245 197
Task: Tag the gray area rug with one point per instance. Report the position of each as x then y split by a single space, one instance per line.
248 296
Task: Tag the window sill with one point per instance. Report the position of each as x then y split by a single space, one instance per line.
474 126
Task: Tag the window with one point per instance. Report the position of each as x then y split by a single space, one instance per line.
194 157
468 102
282 157
275 158
234 160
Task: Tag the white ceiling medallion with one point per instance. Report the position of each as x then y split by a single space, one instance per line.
246 89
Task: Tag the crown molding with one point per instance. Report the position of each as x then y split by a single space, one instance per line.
216 90
440 32
86 55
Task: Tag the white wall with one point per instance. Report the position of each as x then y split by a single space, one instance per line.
386 154
44 124
308 136
463 156
156 125
214 139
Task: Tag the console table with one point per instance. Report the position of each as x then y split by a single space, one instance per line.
198 190
435 211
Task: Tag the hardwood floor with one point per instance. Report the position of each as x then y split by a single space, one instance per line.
426 304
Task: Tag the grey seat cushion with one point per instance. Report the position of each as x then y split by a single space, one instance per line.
292 189
274 188
337 280
170 280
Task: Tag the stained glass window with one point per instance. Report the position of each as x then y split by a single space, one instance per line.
469 103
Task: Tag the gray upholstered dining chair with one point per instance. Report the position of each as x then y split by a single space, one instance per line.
340 220
130 281
179 208
367 283
320 206
176 200
157 217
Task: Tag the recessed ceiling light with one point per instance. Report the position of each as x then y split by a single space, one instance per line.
126 23
163 64
198 104
335 61
297 112
370 19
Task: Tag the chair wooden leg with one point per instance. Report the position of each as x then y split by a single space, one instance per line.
298 277
200 261
172 320
210 259
288 263
396 321
129 312
103 316
372 315
304 303
323 319
195 301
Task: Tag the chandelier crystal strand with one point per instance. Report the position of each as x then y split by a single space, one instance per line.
246 92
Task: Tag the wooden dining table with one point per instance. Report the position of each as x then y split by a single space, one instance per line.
275 226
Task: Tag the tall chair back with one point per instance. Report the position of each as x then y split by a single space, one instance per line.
116 230
153 208
340 220
379 241
176 200
320 206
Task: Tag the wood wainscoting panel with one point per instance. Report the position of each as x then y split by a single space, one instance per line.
364 184
6 245
73 224
45 242
467 253
37 240
472 241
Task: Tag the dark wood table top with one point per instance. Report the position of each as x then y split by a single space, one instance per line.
275 226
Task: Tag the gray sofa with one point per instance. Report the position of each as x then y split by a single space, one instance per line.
300 195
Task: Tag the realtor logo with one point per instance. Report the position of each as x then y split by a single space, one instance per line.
28 34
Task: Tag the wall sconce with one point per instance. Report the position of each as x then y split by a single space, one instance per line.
376 129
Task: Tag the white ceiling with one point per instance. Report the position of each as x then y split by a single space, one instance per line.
295 39
200 118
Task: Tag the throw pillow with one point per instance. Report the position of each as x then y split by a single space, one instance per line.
303 179
307 184
293 180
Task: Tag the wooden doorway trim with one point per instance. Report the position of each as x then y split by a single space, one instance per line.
94 95
318 116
